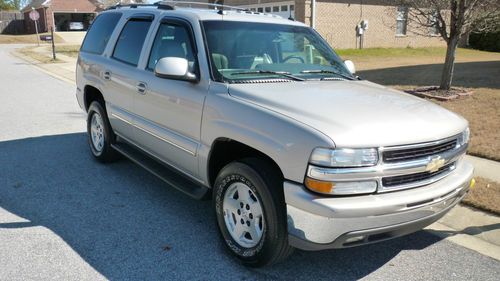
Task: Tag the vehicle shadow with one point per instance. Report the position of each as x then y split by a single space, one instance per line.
466 74
127 224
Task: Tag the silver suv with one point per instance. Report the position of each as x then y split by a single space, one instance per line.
259 114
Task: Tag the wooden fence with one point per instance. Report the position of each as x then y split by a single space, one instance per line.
11 22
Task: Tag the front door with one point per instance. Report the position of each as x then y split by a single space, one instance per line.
168 112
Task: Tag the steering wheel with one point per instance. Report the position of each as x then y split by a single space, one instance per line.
293 57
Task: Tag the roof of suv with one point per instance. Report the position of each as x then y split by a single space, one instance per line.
234 14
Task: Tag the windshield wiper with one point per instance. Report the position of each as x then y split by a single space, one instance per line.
281 73
327 72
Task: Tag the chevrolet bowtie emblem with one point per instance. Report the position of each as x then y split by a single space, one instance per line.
435 164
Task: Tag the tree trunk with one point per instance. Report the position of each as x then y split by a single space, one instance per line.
449 64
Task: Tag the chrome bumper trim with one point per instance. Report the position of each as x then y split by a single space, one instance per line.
322 220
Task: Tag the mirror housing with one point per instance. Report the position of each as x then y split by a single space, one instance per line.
174 68
350 66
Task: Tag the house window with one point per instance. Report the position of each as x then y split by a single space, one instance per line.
284 8
434 23
260 10
401 20
276 9
292 8
268 9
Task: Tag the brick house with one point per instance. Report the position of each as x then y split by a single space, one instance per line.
62 15
336 21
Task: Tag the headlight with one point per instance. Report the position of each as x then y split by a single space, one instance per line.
464 137
344 157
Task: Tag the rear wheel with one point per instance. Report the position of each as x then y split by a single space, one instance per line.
100 134
251 213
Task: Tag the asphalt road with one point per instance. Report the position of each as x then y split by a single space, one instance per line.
64 216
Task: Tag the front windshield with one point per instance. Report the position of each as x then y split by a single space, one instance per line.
246 50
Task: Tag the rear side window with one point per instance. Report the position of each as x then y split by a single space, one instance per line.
98 36
129 45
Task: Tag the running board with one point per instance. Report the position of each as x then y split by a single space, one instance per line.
167 174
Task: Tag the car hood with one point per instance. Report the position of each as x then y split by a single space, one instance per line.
355 113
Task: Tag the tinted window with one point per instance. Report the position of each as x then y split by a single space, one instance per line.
240 49
98 36
129 45
172 40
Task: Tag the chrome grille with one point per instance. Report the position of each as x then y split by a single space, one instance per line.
409 154
417 177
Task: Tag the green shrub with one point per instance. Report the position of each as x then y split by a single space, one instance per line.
485 41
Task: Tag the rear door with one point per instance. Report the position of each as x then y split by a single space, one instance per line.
121 73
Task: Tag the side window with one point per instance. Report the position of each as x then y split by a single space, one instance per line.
129 45
401 20
172 40
98 36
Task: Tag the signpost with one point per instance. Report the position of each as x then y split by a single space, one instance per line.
35 16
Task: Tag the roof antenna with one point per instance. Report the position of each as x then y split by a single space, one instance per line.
220 4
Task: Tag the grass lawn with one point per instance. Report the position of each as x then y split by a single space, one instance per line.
68 50
483 112
25 39
485 195
40 57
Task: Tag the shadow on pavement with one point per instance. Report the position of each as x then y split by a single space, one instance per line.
466 74
125 223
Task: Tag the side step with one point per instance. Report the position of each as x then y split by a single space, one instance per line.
167 174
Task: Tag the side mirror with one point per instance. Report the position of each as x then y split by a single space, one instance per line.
350 66
174 68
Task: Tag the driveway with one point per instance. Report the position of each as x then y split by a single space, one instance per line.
64 216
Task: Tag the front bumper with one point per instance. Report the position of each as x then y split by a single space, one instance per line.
316 222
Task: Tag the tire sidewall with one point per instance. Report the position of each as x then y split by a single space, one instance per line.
94 108
239 172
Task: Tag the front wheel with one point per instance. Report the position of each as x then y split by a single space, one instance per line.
251 213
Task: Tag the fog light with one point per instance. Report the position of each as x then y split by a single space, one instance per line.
352 240
341 188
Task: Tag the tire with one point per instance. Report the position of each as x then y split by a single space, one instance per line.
260 186
100 134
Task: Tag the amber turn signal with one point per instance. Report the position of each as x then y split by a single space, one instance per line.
319 186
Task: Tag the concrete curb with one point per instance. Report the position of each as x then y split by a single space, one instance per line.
485 168
470 228
465 240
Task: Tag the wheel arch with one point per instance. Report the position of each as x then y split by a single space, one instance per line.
91 94
226 150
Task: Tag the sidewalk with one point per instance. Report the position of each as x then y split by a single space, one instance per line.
465 226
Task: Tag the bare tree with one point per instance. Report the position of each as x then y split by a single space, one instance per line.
451 19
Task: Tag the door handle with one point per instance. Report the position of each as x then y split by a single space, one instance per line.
106 75
141 88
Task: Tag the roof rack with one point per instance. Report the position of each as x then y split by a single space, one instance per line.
158 5
195 3
171 5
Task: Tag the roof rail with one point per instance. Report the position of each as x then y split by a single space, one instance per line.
158 5
171 5
195 3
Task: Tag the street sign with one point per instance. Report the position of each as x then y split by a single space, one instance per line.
34 15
